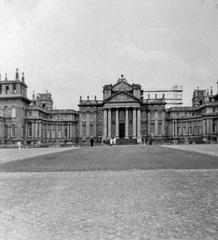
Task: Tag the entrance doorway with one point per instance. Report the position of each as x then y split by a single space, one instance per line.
121 130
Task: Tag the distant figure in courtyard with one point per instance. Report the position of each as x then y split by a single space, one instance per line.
114 141
19 145
111 141
91 142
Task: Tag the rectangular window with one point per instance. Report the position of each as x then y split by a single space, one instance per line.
152 129
159 128
59 131
65 131
190 130
91 130
84 130
29 129
14 88
6 89
53 132
13 131
48 132
13 112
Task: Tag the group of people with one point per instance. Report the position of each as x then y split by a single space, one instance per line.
113 141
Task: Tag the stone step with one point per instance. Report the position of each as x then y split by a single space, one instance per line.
123 141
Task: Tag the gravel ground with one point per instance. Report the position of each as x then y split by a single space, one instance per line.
118 196
160 204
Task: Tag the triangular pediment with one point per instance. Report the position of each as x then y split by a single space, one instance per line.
122 97
122 86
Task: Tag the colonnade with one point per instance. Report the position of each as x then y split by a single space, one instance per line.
136 123
50 131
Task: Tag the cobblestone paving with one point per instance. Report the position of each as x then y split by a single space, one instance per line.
210 149
8 155
137 204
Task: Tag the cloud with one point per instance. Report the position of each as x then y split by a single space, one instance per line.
142 55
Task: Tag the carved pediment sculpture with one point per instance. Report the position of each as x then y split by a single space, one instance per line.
122 97
122 86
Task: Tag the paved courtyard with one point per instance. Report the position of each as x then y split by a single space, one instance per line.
127 192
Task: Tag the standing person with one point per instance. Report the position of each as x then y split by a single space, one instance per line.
91 142
115 140
111 141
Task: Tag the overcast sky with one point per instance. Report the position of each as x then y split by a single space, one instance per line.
74 47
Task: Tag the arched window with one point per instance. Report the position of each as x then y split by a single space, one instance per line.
13 112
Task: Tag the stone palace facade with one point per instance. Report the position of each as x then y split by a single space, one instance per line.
123 113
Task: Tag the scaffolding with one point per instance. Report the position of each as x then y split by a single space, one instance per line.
172 97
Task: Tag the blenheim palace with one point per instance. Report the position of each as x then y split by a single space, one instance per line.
123 113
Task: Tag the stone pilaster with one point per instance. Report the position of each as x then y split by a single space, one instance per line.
163 124
134 123
156 124
36 130
105 124
87 125
80 125
149 124
109 123
139 123
127 124
117 123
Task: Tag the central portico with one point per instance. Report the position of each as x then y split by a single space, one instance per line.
122 122
122 113
122 110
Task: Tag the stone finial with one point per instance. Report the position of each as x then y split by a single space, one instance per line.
23 78
87 97
155 96
17 75
80 98
122 76
95 97
6 77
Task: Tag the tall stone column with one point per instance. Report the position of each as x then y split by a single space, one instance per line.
127 124
33 129
87 125
139 123
134 123
149 124
186 127
163 124
80 125
94 124
36 130
109 123
173 129
156 124
204 126
117 123
68 131
105 124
